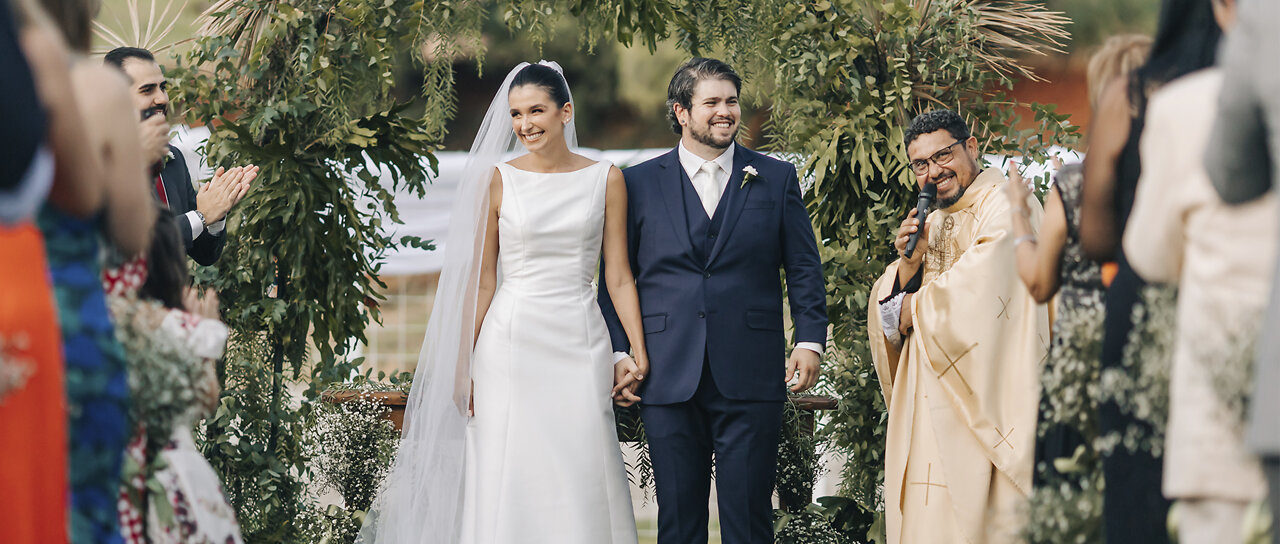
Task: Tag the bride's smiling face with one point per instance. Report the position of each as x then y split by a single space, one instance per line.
536 119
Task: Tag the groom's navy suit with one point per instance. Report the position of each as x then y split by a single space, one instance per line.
711 301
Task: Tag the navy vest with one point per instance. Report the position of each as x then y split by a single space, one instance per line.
702 230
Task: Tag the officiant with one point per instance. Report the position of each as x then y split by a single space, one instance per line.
957 341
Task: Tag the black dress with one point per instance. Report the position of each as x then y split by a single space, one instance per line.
1067 411
1134 510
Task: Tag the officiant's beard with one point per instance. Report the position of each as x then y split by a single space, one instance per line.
705 137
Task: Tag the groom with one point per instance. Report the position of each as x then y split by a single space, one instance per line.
710 224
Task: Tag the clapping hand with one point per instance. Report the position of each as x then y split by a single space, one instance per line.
1016 189
627 376
225 190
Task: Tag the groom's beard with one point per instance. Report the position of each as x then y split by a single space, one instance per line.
705 137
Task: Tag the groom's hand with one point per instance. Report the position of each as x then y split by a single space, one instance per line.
803 367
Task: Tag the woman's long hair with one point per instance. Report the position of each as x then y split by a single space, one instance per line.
167 274
1186 41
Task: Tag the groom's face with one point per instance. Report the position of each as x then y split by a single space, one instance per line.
713 114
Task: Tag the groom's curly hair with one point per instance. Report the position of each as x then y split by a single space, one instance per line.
687 76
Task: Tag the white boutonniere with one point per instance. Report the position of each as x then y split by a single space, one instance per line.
749 175
168 156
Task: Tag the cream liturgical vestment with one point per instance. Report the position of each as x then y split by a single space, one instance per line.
962 388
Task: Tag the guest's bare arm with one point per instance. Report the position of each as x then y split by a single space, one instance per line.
103 94
1037 255
1107 138
75 189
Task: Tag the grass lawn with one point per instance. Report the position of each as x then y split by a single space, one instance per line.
648 529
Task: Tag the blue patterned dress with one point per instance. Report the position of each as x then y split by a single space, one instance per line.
97 385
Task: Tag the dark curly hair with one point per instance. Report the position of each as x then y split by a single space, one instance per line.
687 76
936 120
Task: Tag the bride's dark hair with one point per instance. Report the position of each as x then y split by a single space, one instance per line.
545 77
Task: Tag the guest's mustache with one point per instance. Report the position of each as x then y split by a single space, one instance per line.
161 109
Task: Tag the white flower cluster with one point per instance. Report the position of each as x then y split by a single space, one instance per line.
14 371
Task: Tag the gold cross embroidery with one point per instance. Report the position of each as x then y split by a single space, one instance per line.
1004 307
928 483
1004 438
953 362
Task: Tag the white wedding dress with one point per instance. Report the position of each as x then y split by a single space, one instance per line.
543 463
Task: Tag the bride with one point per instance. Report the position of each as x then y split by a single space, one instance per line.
509 432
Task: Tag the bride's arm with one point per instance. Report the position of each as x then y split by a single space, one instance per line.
617 268
489 258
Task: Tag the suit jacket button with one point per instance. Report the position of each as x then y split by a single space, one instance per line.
706 274
702 315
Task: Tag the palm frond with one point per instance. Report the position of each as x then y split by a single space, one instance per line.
233 19
1012 30
151 34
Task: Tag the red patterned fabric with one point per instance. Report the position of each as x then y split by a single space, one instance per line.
126 278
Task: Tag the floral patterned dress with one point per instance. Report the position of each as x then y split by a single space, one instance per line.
96 379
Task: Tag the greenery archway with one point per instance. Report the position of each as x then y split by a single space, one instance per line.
303 89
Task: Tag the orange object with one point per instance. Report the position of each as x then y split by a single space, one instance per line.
1109 270
33 419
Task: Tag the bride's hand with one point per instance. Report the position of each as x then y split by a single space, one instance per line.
625 381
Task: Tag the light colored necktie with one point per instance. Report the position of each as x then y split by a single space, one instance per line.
704 181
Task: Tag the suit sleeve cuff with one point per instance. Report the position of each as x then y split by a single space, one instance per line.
618 356
217 227
197 227
811 346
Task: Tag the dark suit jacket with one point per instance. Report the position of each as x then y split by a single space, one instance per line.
724 308
206 248
1243 159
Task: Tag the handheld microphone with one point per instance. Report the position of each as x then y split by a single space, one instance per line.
927 195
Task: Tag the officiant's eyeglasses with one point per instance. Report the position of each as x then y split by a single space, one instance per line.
941 158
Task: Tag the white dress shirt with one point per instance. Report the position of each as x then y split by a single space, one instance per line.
692 164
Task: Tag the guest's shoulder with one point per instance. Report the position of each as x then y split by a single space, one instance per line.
1187 94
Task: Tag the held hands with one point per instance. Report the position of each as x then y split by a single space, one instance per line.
803 368
225 190
153 133
627 377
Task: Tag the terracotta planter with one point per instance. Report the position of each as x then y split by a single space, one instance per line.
393 400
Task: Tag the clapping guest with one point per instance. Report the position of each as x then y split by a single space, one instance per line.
1053 262
1221 258
202 213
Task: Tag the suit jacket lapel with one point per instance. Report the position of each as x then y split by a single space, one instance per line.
736 194
669 184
